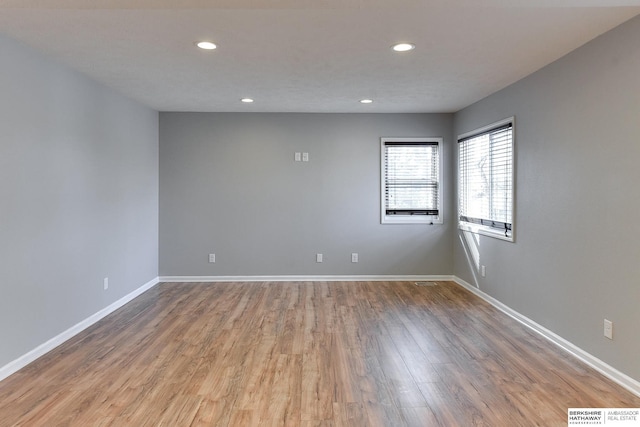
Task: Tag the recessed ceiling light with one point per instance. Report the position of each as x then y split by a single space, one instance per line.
366 101
403 47
247 100
206 45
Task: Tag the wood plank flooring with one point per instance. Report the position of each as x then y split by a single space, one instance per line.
305 354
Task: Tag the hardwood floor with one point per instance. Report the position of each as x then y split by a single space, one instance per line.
305 354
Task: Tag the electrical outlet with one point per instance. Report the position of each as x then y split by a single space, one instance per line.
105 283
354 257
297 157
318 257
608 329
212 258
305 157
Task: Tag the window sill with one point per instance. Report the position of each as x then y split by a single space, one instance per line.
486 231
402 219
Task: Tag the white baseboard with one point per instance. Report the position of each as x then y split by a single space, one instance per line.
29 357
350 278
607 370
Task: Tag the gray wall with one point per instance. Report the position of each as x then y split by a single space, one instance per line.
79 195
229 185
576 259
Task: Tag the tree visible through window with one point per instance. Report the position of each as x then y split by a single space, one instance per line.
485 180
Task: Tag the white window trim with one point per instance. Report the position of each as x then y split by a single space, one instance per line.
481 229
411 219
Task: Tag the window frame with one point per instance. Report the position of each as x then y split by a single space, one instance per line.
485 230
411 219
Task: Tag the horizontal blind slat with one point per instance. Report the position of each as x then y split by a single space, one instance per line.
411 174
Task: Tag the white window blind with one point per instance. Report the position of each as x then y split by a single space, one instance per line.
485 180
411 174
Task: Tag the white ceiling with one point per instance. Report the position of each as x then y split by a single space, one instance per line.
309 55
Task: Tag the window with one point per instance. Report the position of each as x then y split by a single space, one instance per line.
410 181
485 180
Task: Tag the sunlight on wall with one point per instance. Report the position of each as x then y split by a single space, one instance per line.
471 244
